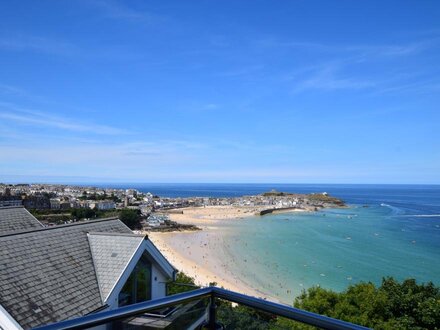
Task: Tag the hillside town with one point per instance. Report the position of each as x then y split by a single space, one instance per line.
152 208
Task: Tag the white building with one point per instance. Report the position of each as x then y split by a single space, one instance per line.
105 205
55 203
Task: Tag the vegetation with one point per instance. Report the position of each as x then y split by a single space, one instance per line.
131 218
99 197
274 192
182 284
392 305
63 215
321 198
48 194
58 217
84 213
38 212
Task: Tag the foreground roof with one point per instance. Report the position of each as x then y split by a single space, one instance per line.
14 218
48 274
111 255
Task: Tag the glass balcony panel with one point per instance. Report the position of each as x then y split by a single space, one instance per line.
181 316
193 310
237 316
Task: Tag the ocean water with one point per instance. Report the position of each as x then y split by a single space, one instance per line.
388 230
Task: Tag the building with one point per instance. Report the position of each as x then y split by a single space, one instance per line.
102 205
38 202
11 201
50 274
105 205
55 203
13 219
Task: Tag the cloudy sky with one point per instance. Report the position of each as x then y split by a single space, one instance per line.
220 91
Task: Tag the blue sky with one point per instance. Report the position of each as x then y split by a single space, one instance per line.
220 91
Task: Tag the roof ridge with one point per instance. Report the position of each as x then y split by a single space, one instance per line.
34 217
12 207
27 231
116 234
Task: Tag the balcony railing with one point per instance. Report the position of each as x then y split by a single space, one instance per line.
200 305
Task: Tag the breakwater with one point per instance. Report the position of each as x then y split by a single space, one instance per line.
279 209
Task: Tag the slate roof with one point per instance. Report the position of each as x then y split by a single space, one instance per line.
111 254
16 219
48 275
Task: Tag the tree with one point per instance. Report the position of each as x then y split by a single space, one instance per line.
182 284
83 213
393 305
131 218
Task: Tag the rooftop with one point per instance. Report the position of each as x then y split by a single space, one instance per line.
111 255
14 219
48 274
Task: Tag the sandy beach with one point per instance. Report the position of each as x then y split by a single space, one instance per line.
205 216
203 254
210 215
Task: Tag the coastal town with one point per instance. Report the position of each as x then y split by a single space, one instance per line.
52 203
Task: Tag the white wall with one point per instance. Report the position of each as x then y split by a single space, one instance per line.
158 286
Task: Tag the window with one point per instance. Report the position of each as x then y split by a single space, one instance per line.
138 285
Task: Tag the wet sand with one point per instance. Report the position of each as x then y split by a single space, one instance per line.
204 255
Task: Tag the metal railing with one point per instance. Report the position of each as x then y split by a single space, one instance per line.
212 293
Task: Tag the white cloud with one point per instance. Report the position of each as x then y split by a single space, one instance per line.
61 48
327 78
10 112
11 90
38 44
119 10
371 50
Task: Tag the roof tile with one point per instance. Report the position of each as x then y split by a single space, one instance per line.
38 266
15 219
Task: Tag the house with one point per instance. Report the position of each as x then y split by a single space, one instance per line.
55 203
35 201
13 218
49 274
105 205
10 201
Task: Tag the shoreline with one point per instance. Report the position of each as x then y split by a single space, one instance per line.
204 268
203 216
203 254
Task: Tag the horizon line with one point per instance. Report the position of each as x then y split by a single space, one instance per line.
13 182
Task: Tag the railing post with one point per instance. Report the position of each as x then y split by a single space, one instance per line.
212 324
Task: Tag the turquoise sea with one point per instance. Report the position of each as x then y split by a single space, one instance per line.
333 248
388 230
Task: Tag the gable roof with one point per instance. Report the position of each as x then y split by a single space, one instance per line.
48 275
111 255
16 219
163 263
